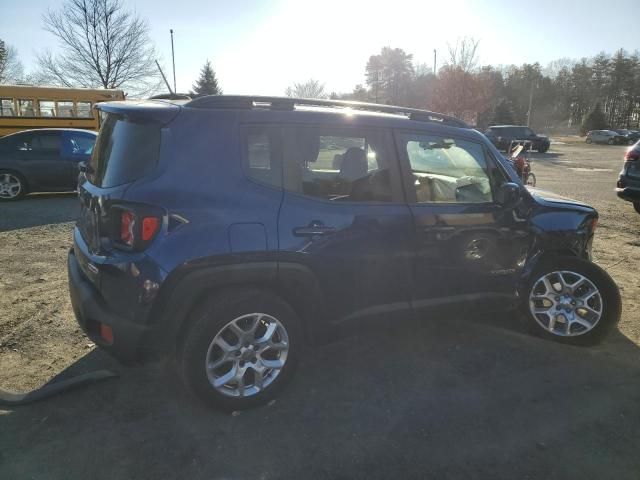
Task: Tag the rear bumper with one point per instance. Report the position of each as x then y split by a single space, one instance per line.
629 194
91 311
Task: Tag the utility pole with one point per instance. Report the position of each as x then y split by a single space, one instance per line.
530 105
434 60
173 58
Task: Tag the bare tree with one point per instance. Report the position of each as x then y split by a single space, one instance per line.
464 54
102 45
11 70
309 89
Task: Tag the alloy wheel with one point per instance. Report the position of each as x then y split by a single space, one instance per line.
10 186
566 303
247 355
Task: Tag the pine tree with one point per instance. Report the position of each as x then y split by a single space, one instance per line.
503 113
594 121
207 84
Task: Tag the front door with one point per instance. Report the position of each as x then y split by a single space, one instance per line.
467 247
344 218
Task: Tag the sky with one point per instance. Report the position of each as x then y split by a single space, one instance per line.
261 47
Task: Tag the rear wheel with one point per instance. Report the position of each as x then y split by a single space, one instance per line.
610 141
543 149
572 301
588 140
241 348
12 185
636 205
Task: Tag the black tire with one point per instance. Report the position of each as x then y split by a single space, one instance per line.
610 141
20 179
543 149
588 140
630 142
610 295
210 318
636 206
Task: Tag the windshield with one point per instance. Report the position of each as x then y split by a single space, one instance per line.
125 151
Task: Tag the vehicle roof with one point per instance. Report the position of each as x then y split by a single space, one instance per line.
288 109
508 126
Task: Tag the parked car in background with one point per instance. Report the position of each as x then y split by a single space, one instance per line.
502 136
231 232
609 137
628 186
631 136
43 160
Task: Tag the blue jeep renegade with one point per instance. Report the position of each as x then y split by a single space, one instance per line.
231 232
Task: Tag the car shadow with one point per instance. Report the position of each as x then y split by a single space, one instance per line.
441 397
39 209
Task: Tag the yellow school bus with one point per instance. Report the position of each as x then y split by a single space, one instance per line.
25 107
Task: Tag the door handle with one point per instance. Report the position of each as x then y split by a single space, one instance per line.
313 229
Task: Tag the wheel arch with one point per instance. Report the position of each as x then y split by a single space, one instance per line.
186 288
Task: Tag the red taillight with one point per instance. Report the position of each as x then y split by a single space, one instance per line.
106 333
150 226
127 224
632 155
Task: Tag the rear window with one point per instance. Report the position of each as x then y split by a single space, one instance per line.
125 151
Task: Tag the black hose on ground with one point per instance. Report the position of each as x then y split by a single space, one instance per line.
50 389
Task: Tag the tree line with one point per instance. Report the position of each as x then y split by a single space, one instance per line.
562 95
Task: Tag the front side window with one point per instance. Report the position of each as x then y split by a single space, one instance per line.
447 170
26 108
337 164
7 108
80 144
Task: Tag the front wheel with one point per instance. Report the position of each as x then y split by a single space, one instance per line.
572 301
240 349
544 149
610 141
588 140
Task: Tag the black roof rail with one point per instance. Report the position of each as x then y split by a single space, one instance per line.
288 103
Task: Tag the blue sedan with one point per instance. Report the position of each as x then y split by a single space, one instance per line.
43 160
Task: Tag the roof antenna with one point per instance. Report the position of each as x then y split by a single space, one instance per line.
164 78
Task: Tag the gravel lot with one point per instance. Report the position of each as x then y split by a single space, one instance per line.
463 397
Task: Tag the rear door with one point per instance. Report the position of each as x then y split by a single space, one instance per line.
343 217
467 247
41 156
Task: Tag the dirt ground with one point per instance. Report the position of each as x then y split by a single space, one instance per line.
461 398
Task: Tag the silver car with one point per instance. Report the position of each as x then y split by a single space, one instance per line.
605 136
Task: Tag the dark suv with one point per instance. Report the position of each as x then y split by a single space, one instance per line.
502 136
230 232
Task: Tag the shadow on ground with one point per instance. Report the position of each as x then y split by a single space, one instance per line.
445 399
38 209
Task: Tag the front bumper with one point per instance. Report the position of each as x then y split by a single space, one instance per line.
90 311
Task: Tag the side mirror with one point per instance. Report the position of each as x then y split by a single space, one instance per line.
509 194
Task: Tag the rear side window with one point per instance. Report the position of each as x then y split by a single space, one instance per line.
125 151
261 157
